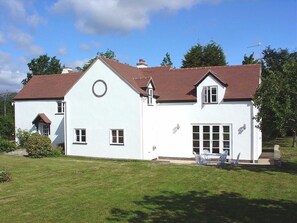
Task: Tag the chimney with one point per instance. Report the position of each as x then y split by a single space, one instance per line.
141 64
66 70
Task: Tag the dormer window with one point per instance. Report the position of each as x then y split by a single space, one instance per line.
150 96
210 95
60 107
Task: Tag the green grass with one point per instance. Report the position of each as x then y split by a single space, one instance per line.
71 189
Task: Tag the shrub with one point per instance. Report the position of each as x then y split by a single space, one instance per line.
57 151
6 146
38 146
5 175
23 136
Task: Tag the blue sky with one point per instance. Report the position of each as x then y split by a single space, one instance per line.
75 30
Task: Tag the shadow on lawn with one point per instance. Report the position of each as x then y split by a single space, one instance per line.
205 207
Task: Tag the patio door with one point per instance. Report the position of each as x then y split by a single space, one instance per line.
211 138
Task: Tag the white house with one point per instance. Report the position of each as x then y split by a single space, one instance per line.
114 110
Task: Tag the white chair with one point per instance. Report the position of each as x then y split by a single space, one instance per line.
235 162
200 159
222 159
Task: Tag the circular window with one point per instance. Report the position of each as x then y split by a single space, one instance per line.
99 88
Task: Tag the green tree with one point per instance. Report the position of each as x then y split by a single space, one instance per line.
43 65
277 95
6 127
200 56
249 59
108 54
166 60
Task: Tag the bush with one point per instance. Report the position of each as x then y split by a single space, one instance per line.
6 127
38 146
23 136
5 176
57 151
6 146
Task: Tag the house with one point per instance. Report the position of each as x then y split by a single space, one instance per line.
115 110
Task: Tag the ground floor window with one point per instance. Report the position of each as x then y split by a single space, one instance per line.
80 136
117 136
211 138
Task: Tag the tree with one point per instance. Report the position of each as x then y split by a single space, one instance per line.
108 54
200 56
167 60
277 95
249 59
43 65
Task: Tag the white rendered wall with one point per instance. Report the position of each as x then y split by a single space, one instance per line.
177 142
26 112
119 108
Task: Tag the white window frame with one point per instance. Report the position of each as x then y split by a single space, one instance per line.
116 133
60 107
208 95
45 130
150 96
79 137
199 142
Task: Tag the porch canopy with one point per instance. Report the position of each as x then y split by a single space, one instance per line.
41 118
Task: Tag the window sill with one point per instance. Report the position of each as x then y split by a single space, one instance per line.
59 113
80 143
117 144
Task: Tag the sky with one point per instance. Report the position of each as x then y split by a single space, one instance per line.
76 30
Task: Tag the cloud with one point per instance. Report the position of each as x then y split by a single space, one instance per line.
15 8
2 39
25 42
101 16
10 73
62 51
35 20
89 46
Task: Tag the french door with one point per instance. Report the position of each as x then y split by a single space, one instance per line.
211 138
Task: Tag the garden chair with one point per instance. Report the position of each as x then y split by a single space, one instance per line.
200 159
222 159
235 162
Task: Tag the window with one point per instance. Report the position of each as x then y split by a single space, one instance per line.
214 138
196 141
45 130
150 96
80 136
117 136
210 95
60 106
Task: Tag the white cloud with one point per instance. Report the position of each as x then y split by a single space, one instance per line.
2 39
101 16
89 46
16 8
35 20
78 63
62 51
25 42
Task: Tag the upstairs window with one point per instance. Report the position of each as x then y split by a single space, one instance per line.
210 95
150 96
117 136
60 107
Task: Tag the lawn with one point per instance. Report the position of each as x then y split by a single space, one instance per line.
71 189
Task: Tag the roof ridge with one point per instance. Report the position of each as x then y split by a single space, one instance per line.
209 67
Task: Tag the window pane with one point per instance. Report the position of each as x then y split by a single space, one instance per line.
226 137
206 144
196 150
227 151
83 132
206 136
195 128
226 128
121 133
215 150
216 144
226 144
195 143
121 139
215 136
216 128
195 135
213 98
214 90
206 128
83 138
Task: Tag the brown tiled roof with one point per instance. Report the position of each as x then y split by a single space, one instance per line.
170 84
41 117
178 84
53 86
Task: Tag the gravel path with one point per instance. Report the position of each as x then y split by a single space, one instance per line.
18 152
